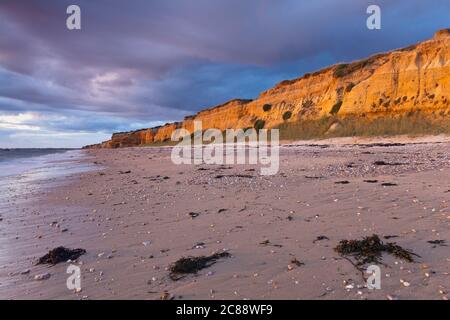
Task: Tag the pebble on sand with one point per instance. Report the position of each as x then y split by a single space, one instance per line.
42 276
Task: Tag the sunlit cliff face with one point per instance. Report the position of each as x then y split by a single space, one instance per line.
410 80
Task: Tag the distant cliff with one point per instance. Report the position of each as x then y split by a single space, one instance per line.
400 81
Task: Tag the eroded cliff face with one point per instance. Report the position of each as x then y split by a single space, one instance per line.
388 84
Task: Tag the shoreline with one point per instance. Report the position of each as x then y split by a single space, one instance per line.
403 139
134 225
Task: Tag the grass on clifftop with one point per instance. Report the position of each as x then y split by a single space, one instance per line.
332 126
413 124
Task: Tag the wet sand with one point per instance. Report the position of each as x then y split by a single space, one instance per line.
132 216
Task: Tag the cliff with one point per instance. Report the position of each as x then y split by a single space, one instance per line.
397 82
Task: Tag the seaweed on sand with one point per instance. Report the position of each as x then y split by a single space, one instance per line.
437 242
60 254
188 265
370 250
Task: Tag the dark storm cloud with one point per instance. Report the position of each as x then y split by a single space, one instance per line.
140 61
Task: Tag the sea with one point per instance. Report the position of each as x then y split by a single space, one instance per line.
39 162
26 176
23 171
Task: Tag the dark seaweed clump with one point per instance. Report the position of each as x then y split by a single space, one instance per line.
370 250
193 264
61 254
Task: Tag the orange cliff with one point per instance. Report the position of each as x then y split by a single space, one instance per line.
410 79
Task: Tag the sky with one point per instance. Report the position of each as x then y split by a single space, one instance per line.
141 63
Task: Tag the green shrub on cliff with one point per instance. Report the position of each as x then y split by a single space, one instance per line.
259 124
337 106
340 70
287 115
267 107
349 87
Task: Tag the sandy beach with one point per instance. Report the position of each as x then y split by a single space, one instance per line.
137 213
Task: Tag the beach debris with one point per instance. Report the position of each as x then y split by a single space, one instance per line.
371 181
370 250
405 283
193 215
61 254
438 243
166 296
125 172
383 163
199 245
389 184
42 276
26 271
156 178
243 209
190 265
320 238
383 144
220 176
221 210
342 182
296 262
390 236
268 243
